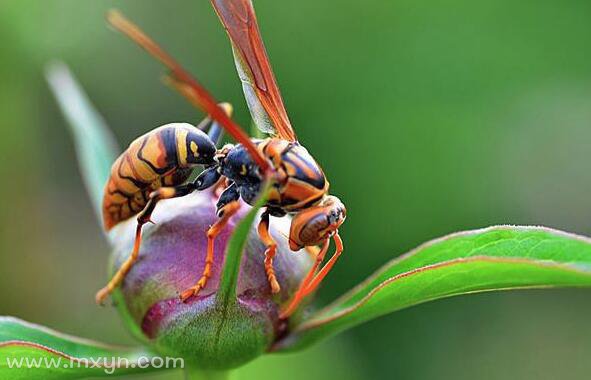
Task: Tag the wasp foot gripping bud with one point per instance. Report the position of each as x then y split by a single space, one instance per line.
204 331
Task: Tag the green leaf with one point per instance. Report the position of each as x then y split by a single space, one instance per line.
95 146
42 353
235 249
197 374
496 258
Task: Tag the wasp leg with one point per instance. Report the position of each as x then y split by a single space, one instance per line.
267 239
143 218
327 267
227 206
301 292
207 178
215 133
229 195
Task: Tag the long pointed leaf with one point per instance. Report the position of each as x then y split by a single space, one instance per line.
29 351
95 146
496 258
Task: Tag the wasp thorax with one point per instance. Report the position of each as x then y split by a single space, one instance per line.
172 257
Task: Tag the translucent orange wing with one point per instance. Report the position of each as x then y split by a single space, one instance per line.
188 86
258 81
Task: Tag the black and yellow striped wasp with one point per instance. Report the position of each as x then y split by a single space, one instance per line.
157 165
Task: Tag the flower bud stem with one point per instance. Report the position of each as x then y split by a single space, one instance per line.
226 294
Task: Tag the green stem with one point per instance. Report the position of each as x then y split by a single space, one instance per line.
235 249
198 374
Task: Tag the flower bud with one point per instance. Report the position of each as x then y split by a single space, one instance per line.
204 332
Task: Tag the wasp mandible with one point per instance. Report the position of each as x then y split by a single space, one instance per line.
157 165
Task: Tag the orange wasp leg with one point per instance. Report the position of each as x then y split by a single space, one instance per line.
143 218
267 239
226 213
117 279
327 267
301 292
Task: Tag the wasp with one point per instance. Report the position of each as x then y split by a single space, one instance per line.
157 165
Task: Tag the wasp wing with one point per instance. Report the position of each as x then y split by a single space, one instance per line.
258 81
183 82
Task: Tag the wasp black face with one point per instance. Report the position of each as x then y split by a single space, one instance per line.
200 149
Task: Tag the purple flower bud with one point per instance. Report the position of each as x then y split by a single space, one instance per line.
172 257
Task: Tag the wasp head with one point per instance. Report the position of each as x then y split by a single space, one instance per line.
199 147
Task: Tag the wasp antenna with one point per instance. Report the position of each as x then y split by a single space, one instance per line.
183 82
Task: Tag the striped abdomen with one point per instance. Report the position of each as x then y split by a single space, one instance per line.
164 156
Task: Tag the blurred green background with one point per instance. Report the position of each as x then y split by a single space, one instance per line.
429 117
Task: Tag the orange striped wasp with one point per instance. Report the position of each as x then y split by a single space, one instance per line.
157 164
